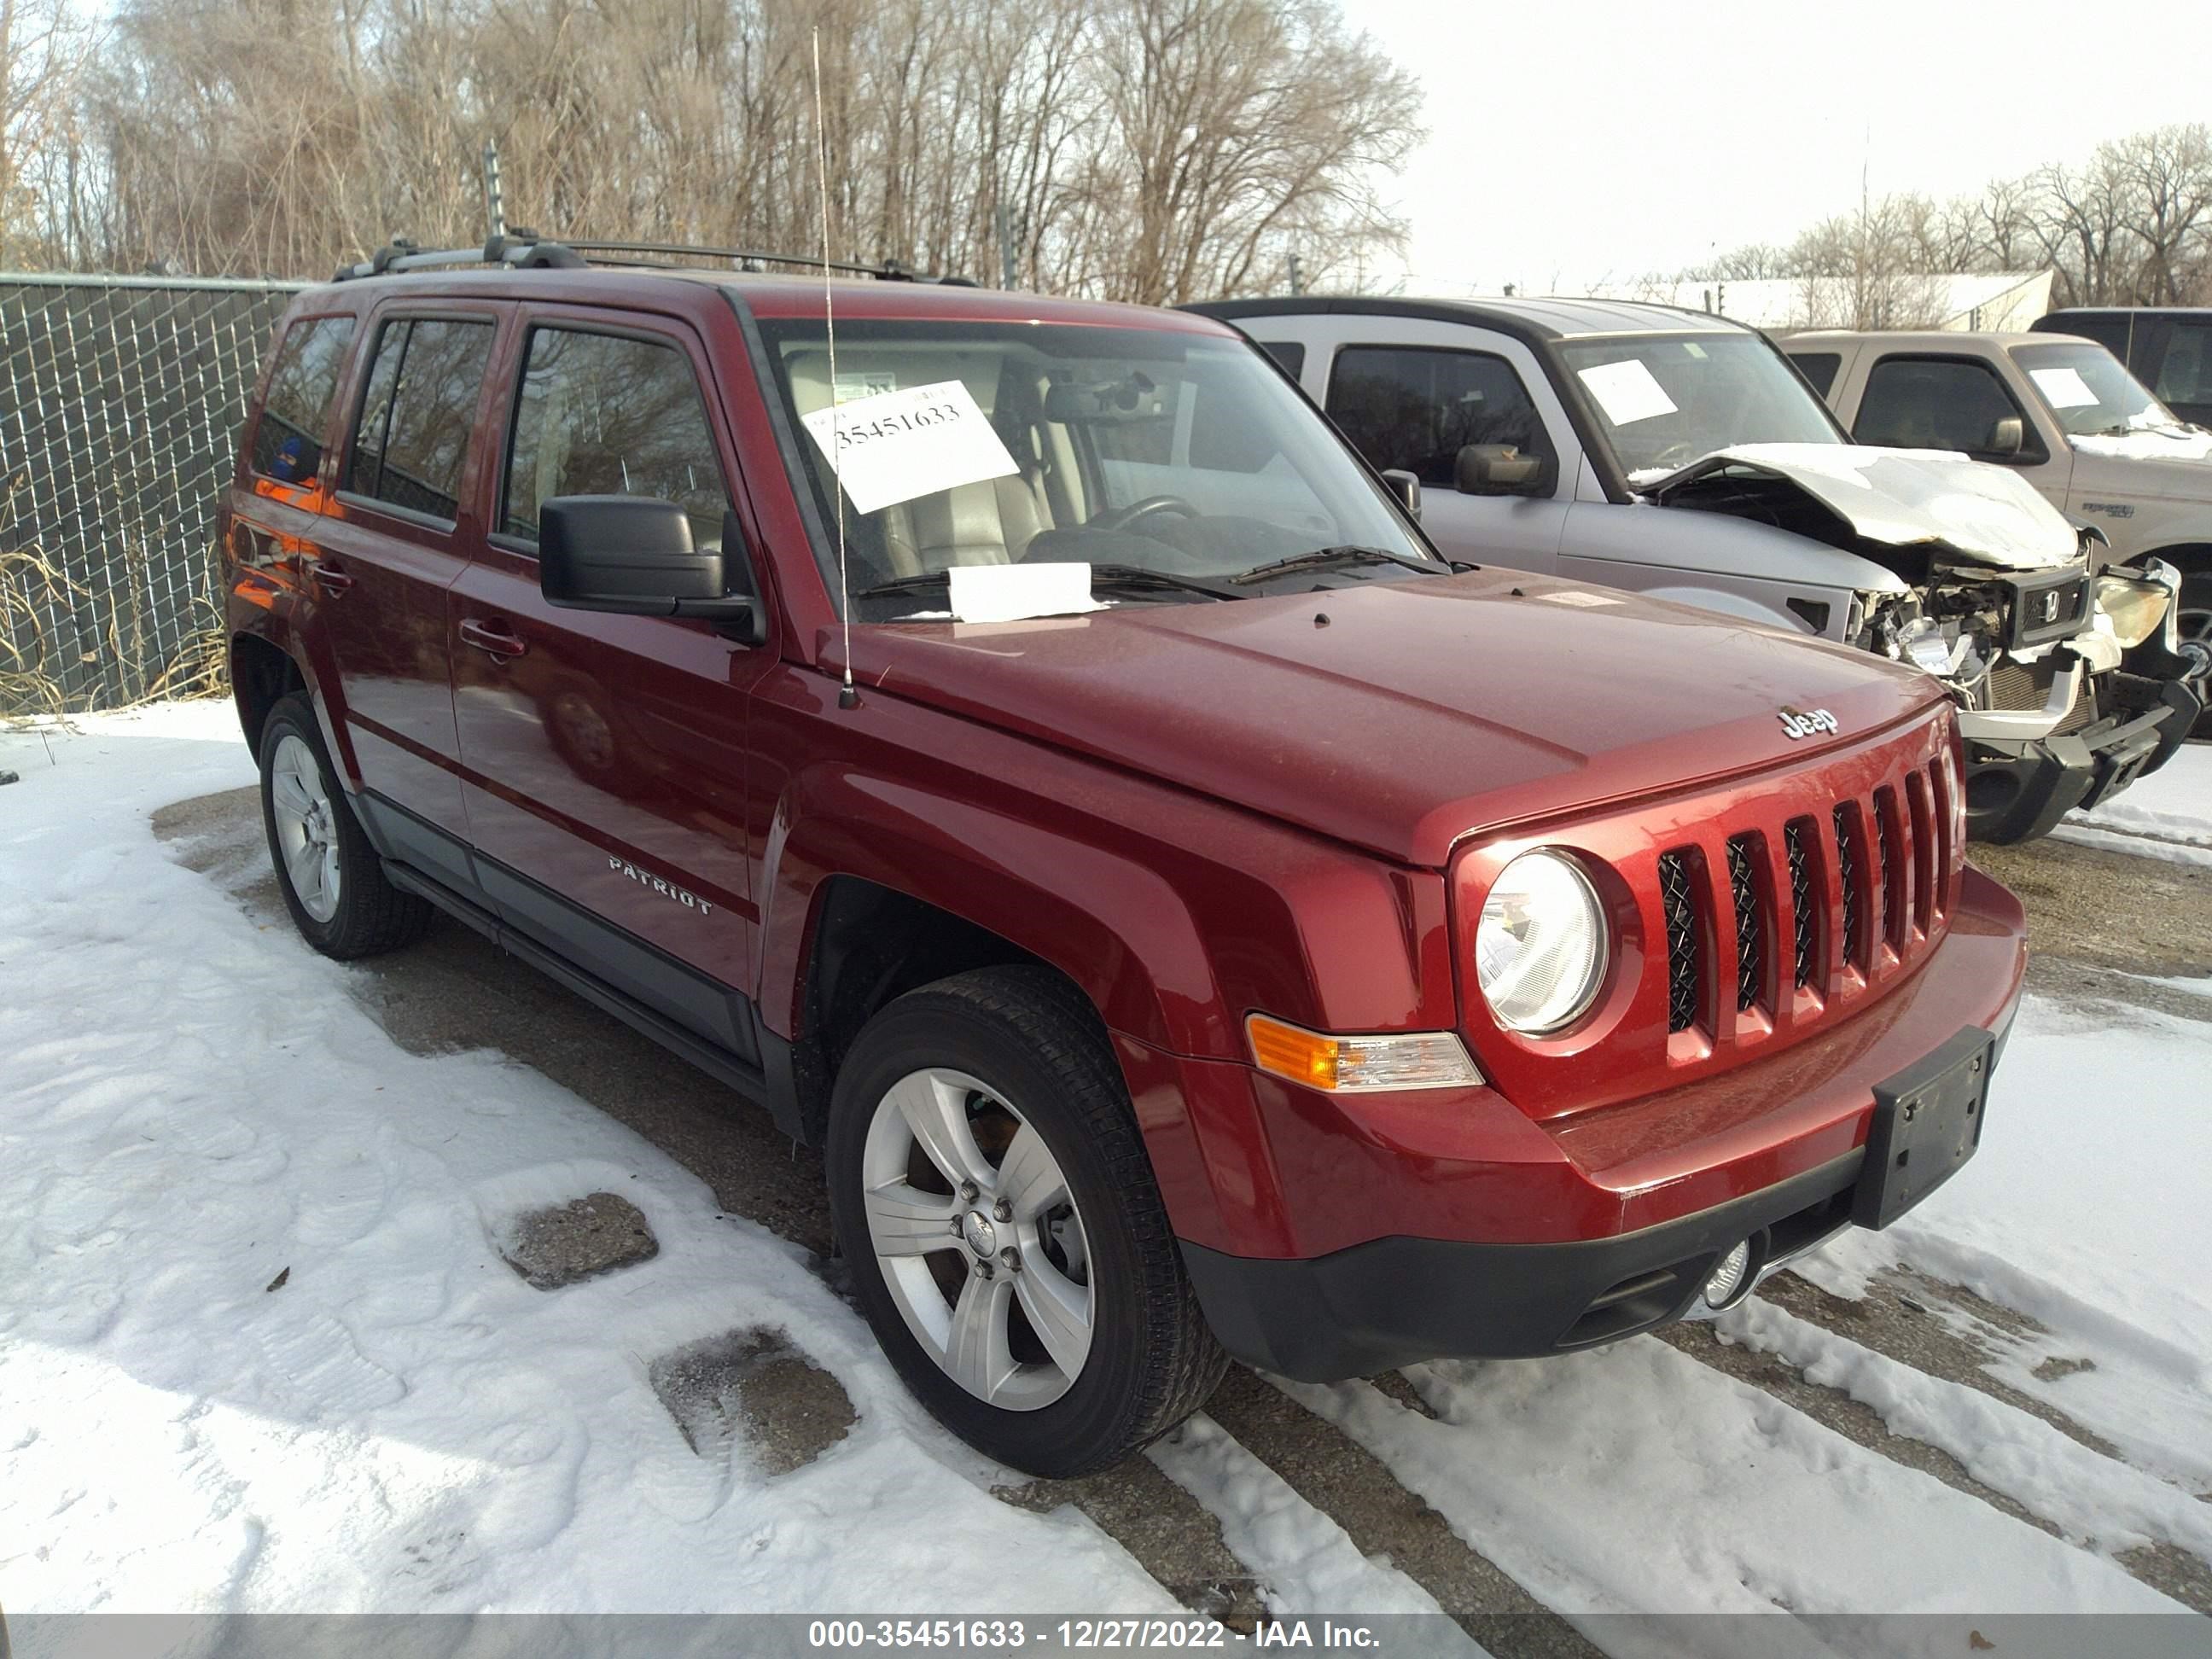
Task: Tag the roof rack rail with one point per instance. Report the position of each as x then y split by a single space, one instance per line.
525 250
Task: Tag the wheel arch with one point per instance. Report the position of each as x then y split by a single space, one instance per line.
261 675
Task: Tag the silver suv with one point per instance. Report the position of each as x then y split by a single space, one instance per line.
1679 455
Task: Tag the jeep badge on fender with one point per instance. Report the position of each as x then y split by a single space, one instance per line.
1797 724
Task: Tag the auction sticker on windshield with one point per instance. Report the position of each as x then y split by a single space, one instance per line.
898 445
1626 390
2064 387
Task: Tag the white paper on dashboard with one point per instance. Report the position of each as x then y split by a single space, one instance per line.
898 445
2063 388
1015 593
1626 390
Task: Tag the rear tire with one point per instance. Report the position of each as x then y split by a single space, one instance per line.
331 879
1016 1093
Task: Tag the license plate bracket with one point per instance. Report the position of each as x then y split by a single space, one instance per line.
1927 1123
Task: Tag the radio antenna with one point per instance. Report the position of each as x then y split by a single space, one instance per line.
849 695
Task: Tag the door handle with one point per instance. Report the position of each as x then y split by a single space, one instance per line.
487 638
328 576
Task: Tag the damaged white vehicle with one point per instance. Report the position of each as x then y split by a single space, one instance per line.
1681 455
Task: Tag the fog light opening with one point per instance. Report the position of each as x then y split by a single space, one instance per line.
1735 1273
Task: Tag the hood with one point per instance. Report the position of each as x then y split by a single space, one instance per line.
1907 498
1419 711
2169 460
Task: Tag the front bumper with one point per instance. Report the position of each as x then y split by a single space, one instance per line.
1433 1226
1394 1301
2017 790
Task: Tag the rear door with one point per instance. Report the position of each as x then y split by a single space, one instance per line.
605 755
1410 393
397 534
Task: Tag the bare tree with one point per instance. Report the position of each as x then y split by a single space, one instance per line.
44 46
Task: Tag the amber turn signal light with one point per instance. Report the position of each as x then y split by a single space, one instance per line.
1349 1064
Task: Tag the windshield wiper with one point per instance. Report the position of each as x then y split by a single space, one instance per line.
1322 558
1135 576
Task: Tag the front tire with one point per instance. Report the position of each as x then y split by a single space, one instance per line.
1007 1239
2194 618
331 879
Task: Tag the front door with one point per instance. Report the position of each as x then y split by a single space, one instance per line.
604 755
1414 406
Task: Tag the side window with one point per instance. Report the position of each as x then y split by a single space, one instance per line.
1417 408
602 415
288 440
1819 366
1937 403
1291 354
418 413
2184 372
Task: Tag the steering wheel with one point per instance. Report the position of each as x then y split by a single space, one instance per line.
1122 518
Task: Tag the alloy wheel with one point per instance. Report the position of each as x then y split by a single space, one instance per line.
978 1239
306 833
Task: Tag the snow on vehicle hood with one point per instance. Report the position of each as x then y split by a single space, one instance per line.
1909 497
2160 443
1418 712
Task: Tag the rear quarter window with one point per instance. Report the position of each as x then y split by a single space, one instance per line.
287 437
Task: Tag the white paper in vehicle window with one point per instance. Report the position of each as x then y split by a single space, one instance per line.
898 445
2063 388
1626 391
1016 593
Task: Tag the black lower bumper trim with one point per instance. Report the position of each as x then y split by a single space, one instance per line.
2017 791
1393 1301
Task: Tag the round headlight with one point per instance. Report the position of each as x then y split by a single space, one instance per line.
1539 949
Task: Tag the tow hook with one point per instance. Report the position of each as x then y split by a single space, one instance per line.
2200 660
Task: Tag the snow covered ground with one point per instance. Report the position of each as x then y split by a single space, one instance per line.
195 1104
2166 815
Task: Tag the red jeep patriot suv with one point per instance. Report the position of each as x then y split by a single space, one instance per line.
1194 919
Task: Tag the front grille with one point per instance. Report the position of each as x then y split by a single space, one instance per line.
1848 848
1902 828
1806 941
1743 889
1682 965
1923 850
2014 686
1892 868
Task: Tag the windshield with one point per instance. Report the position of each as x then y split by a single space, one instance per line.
1663 401
1177 465
2089 391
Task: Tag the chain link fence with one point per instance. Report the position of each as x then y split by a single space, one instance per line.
120 400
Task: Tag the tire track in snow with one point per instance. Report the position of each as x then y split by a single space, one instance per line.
1942 1328
1973 1442
1344 1482
1308 1563
1634 1479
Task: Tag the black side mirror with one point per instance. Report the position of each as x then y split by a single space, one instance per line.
1407 487
632 556
2007 437
1500 470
